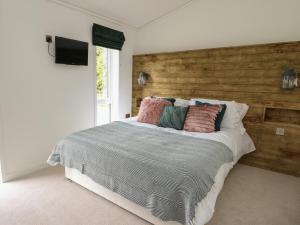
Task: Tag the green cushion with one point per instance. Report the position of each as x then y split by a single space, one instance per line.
173 117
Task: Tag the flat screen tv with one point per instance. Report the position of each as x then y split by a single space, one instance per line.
71 52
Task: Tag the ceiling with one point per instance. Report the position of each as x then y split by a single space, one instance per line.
135 13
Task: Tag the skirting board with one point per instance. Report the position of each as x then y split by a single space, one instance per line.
10 176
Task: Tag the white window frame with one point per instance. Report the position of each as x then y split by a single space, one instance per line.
108 101
113 74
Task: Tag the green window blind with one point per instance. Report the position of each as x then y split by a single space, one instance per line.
107 37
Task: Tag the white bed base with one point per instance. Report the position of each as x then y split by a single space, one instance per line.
204 209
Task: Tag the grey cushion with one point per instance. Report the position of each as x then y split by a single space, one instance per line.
173 117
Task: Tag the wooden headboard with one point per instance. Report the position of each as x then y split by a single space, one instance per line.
248 74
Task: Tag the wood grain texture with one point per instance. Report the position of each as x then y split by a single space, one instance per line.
282 115
249 74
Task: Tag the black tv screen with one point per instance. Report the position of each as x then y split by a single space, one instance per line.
71 52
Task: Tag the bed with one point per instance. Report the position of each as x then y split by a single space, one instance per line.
152 203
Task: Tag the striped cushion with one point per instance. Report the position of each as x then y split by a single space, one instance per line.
220 115
151 110
201 118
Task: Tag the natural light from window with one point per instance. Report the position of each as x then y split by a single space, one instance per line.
107 68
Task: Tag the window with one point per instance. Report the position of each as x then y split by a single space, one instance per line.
107 61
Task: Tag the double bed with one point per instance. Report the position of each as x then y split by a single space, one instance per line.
163 175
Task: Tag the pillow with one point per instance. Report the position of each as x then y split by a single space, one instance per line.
167 99
182 102
151 109
201 118
173 117
220 115
232 116
242 109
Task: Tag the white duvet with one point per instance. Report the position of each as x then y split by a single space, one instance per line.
239 144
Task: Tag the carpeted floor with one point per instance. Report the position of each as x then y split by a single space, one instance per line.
250 196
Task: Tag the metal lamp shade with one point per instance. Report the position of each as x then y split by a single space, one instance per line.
289 79
143 77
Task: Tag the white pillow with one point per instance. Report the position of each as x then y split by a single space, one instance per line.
243 109
182 102
234 113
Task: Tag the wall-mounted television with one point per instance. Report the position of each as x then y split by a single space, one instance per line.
71 52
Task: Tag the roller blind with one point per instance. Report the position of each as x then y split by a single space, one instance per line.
107 37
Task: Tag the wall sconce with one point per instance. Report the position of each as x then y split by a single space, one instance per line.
143 77
289 79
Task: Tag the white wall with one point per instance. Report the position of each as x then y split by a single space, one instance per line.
215 23
42 101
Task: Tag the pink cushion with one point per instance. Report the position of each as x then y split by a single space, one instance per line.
151 110
201 118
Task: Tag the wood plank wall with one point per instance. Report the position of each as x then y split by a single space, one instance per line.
248 74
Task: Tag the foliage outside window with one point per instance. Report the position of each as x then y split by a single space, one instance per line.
101 72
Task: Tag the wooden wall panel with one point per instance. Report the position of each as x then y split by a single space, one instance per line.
249 74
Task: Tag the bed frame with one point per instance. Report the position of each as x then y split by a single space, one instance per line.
204 209
115 198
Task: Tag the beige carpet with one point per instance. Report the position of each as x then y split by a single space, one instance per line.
250 196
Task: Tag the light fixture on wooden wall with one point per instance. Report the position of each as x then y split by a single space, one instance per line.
289 79
143 77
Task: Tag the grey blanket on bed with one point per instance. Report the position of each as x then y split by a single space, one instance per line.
165 172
